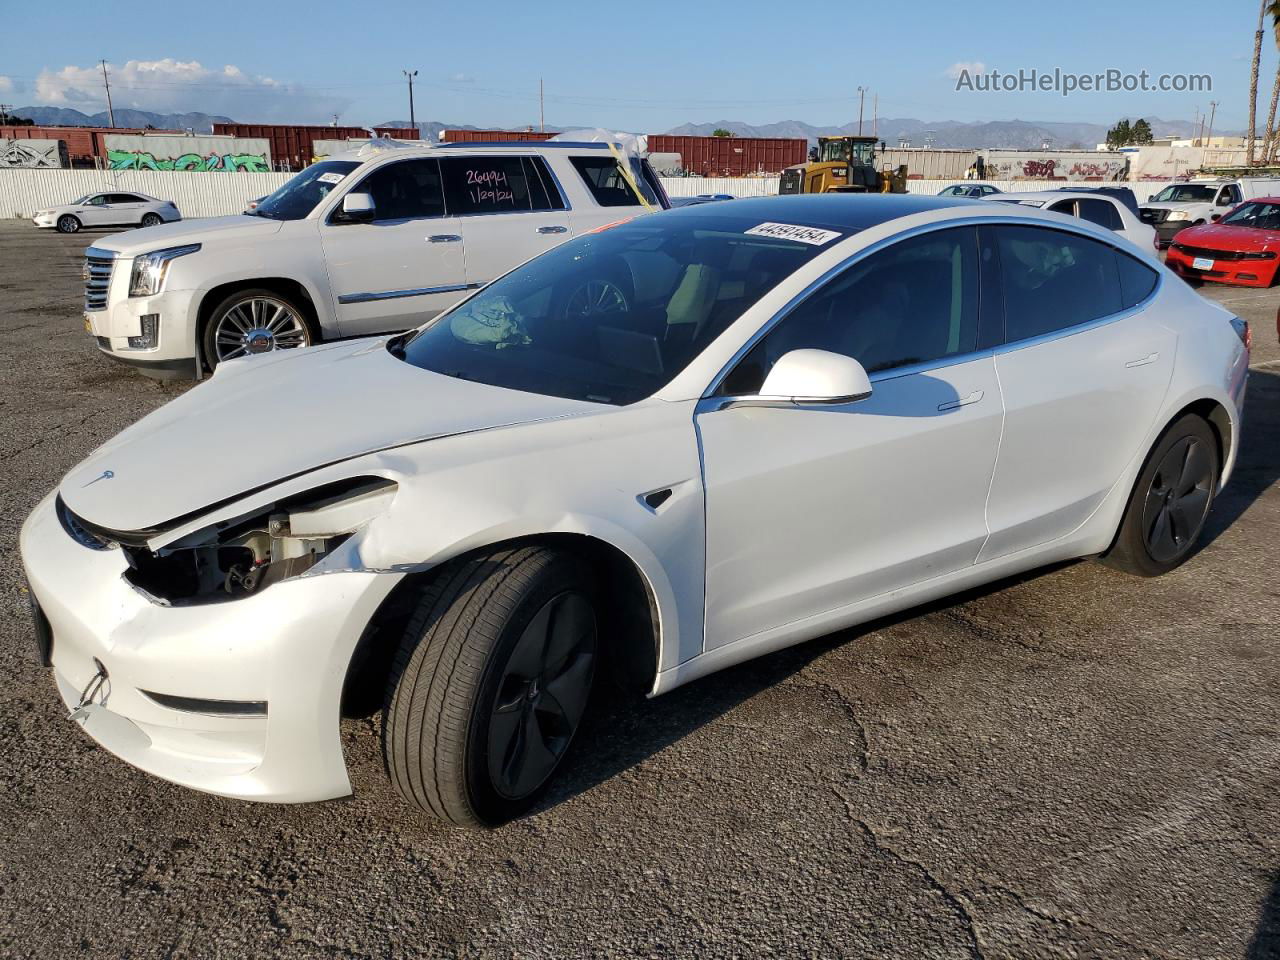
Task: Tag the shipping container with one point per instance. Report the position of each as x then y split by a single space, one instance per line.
484 136
732 156
925 164
86 146
398 133
290 143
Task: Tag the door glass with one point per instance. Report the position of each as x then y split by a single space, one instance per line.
1065 206
96 201
407 190
543 193
1054 280
485 185
913 303
1101 212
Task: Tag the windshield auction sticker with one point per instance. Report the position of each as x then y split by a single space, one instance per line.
790 231
331 177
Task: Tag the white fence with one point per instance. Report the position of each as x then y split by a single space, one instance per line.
205 194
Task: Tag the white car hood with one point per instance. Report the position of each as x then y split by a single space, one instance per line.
231 229
265 419
1176 204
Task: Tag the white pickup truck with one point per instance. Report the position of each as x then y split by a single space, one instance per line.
376 240
1199 201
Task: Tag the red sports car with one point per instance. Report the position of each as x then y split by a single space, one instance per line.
1243 247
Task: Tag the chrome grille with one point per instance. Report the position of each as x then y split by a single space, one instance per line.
97 277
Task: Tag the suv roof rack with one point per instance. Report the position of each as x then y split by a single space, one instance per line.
527 143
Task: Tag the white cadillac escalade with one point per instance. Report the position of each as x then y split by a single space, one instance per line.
379 239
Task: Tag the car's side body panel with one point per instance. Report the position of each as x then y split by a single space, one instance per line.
811 508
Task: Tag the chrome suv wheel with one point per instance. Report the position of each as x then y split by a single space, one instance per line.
251 322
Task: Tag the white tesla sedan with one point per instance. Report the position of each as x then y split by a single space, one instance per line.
109 208
671 445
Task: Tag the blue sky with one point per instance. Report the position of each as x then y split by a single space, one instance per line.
642 67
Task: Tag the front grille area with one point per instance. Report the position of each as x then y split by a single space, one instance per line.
1212 254
97 277
1154 215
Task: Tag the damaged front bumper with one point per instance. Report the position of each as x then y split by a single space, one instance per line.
240 697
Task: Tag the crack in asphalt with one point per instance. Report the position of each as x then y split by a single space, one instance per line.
850 711
6 454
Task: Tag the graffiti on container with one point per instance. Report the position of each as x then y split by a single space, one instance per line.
145 160
30 153
1038 168
1096 171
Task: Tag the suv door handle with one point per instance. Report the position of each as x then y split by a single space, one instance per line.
444 238
1149 358
553 229
962 402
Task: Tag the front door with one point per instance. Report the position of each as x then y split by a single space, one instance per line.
405 266
507 212
811 509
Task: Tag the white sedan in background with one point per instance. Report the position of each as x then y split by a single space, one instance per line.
1096 207
665 447
110 208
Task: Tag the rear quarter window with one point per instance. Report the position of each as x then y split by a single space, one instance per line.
605 181
1137 280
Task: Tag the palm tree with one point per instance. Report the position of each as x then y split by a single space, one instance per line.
1269 146
1253 81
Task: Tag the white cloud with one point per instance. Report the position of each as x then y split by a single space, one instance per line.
462 78
175 86
974 67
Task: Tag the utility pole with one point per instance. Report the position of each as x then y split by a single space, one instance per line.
111 114
542 115
1213 112
875 114
412 120
4 113
862 96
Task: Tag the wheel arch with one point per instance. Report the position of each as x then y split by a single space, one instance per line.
629 609
295 290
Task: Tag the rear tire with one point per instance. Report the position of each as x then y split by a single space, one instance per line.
490 683
68 224
1170 501
152 220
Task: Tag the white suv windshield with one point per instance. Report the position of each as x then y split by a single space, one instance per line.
612 317
299 196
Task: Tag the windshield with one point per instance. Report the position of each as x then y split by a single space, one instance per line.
1256 214
299 196
613 316
83 199
1183 192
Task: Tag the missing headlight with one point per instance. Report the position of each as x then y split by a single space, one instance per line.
244 556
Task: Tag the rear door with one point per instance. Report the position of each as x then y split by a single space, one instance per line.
508 210
124 208
1083 372
404 267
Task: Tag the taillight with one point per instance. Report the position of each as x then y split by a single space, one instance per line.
1241 327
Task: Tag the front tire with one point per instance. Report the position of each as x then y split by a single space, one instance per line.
254 321
490 684
68 224
1170 501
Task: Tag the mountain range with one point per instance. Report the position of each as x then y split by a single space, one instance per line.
1008 134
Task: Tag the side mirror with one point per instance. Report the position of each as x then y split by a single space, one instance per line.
1216 217
803 377
358 206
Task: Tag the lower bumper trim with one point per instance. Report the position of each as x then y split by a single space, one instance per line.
215 708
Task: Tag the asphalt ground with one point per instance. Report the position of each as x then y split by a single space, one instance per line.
1071 764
